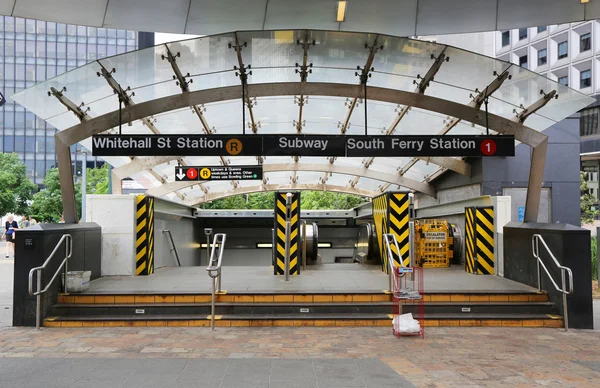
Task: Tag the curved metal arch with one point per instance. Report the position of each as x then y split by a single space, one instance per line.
261 188
395 179
139 111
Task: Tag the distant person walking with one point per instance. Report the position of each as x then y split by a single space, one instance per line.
9 233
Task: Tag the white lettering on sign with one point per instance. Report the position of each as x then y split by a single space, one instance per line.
284 142
122 142
452 144
186 142
357 144
436 236
407 144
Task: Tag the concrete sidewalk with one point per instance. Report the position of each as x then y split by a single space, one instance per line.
447 357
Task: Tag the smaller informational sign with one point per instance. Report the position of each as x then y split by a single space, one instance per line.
218 173
405 270
436 236
521 214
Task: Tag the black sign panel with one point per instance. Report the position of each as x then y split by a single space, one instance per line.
303 145
175 145
218 173
446 145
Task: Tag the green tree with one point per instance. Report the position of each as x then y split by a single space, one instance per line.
16 191
325 200
47 204
589 211
97 180
310 200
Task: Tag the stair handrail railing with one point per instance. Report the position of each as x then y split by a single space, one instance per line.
173 247
68 240
391 265
535 240
214 270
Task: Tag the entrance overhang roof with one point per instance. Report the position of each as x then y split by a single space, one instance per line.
396 17
298 82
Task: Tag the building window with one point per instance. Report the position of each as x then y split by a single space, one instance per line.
523 61
505 38
542 29
585 79
564 80
522 33
563 50
542 57
585 42
588 122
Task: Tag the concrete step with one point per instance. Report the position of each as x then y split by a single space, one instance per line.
513 320
460 308
306 297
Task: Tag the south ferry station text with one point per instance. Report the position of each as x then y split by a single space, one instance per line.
397 143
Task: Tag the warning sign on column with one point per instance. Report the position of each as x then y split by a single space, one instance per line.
218 173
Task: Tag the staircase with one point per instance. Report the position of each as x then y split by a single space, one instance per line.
527 309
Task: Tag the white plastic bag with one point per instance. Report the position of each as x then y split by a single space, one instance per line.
405 324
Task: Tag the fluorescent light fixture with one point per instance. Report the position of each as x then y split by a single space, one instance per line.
264 245
324 245
341 10
204 245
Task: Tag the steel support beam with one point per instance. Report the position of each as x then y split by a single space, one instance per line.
539 104
420 89
139 111
117 183
65 174
536 177
497 123
244 77
477 101
325 168
280 187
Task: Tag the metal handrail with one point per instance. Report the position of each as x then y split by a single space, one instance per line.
38 293
535 239
391 264
174 249
214 270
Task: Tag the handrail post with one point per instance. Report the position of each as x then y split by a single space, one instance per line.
212 307
38 299
564 300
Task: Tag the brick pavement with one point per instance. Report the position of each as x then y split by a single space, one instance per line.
447 357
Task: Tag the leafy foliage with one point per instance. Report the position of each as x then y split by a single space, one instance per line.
588 210
310 200
16 191
47 204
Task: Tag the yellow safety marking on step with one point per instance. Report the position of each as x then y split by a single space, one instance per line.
553 316
222 292
387 292
217 317
51 319
391 316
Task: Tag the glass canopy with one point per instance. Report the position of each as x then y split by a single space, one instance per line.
330 57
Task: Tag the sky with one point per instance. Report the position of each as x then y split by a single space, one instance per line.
164 38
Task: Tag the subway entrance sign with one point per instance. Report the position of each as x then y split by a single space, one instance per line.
304 145
218 173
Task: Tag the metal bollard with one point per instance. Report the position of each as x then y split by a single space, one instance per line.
207 232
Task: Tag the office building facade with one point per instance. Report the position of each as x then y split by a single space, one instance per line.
32 51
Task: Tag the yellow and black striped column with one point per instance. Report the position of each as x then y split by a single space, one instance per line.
470 239
398 226
144 229
279 262
484 232
391 215
479 240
